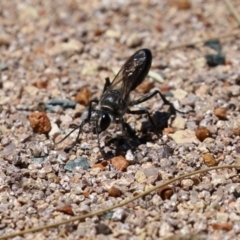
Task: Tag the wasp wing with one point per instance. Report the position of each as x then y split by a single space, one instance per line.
132 73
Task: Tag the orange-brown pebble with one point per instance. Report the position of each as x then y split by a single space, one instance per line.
75 179
196 180
83 96
38 50
181 4
98 32
41 84
202 133
165 192
236 131
120 163
221 113
165 88
167 130
67 209
102 165
209 160
226 83
39 122
57 180
145 87
222 226
86 192
114 192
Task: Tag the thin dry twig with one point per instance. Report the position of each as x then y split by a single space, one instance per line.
170 48
100 212
233 11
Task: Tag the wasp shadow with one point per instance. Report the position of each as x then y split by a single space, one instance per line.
130 140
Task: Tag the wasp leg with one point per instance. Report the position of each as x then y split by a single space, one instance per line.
144 111
90 108
173 110
87 120
126 128
75 127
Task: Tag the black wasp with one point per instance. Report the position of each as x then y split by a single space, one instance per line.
115 100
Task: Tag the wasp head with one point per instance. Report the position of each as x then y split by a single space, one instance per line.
101 120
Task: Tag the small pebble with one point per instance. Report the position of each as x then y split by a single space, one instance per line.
79 162
222 226
113 34
64 104
102 165
134 40
67 209
103 229
236 131
157 77
120 163
202 133
5 141
5 39
179 123
39 122
165 192
184 136
119 214
221 113
140 177
145 87
66 48
179 94
114 192
129 156
3 67
187 184
55 131
181 4
222 217
209 160
83 96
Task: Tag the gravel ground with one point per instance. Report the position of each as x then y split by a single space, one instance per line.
62 51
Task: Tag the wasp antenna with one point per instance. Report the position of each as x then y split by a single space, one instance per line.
79 131
75 128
